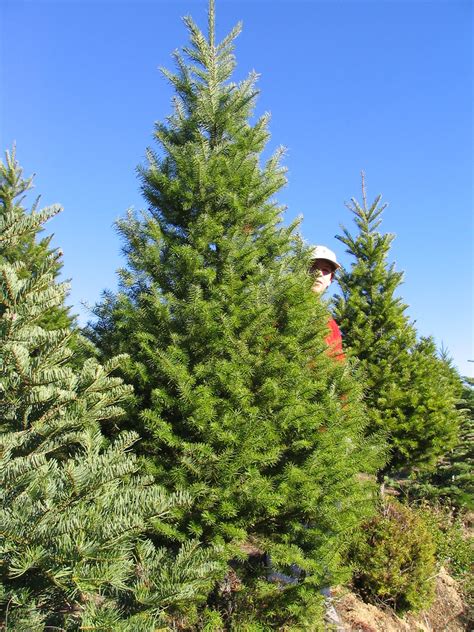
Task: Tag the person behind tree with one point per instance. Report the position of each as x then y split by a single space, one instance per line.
324 265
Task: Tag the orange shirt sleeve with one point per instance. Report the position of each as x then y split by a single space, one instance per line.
334 341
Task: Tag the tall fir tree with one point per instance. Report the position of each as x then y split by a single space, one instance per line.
238 400
411 393
75 511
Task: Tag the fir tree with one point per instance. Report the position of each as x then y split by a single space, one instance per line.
410 392
13 190
75 509
453 478
238 400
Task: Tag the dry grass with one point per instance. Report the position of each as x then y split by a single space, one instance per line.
448 613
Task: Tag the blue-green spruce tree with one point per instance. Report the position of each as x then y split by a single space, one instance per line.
31 246
75 511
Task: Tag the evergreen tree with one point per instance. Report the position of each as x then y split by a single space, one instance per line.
13 189
453 478
74 508
237 399
410 391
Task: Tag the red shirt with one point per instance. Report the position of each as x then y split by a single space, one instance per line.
334 341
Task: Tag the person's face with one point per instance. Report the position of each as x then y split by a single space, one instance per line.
324 273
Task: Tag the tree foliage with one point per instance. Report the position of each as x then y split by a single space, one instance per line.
13 191
453 479
237 399
412 394
75 509
394 558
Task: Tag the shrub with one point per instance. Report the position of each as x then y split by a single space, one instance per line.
454 546
394 558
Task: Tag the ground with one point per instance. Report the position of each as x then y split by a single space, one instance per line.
448 613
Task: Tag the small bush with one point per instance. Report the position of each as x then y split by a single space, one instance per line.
454 546
394 559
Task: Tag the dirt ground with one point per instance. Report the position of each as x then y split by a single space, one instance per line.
448 613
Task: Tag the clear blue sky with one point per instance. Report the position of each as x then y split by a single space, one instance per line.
383 86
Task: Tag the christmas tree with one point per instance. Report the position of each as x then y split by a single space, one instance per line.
410 392
75 510
14 188
453 479
237 399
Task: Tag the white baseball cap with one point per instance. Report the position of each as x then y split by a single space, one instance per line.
321 252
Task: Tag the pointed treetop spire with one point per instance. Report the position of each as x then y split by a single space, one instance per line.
364 193
211 23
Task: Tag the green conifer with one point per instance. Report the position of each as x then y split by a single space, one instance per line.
14 189
453 478
74 508
238 400
410 392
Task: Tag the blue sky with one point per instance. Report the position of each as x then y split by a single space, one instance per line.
383 86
